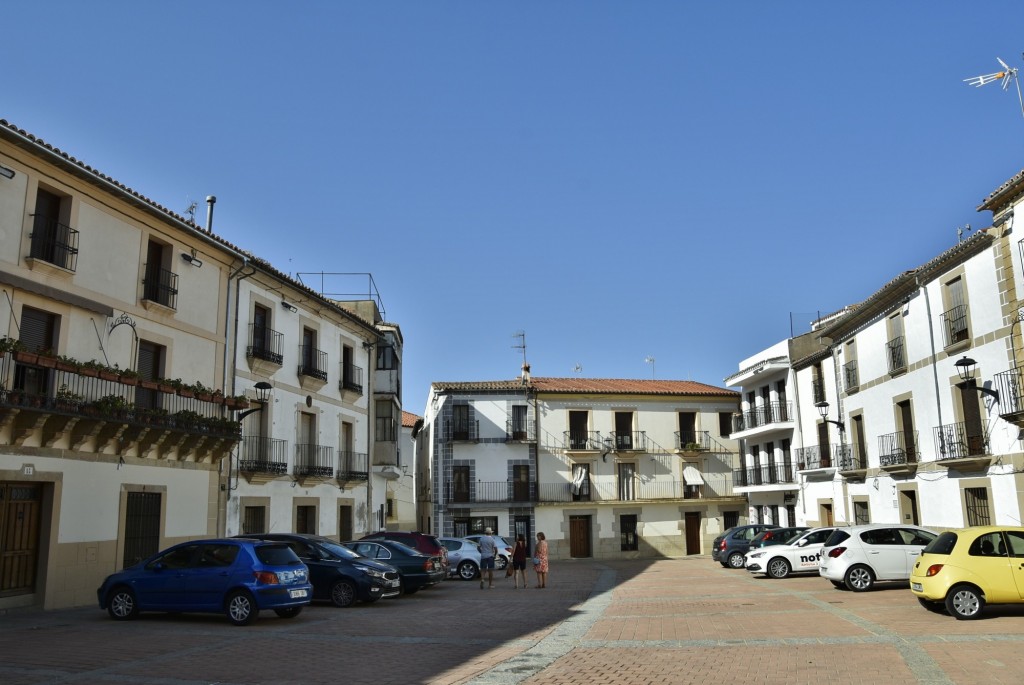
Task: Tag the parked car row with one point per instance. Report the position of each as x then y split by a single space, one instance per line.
957 572
283 572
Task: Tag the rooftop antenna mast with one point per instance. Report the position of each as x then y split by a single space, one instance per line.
1006 75
960 230
521 345
650 360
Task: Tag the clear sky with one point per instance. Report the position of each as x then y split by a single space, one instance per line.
620 180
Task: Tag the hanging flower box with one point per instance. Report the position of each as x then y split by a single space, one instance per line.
108 375
26 357
47 362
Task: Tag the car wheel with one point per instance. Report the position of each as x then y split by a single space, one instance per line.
500 563
964 602
468 570
343 594
934 607
778 568
288 612
859 578
736 560
241 608
121 604
838 584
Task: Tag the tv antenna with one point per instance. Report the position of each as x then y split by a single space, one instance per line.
650 360
191 211
960 230
1006 75
578 369
521 345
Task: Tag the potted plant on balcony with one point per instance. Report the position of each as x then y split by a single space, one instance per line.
67 364
112 407
90 368
66 400
46 359
129 377
189 421
201 392
9 345
23 356
236 402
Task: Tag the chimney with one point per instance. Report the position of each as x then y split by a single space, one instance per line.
526 373
210 201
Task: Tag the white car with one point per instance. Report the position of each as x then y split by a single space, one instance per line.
799 556
855 557
463 557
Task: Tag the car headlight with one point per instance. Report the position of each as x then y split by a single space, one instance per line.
755 555
372 572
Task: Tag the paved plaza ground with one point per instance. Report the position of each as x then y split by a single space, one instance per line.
623 622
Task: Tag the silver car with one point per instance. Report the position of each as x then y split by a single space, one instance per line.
463 557
504 547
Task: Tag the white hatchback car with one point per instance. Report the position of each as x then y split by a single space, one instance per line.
855 557
799 556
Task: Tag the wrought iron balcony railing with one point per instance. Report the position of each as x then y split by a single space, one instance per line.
54 242
1010 385
265 344
263 455
763 415
462 431
954 324
160 286
955 441
693 441
583 440
315 461
817 390
851 379
312 362
772 474
601 489
895 449
852 459
820 456
520 430
353 466
351 378
629 441
479 492
895 355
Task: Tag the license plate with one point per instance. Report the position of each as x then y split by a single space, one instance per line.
394 583
917 586
295 594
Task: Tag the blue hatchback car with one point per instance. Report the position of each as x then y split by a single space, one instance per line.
239 577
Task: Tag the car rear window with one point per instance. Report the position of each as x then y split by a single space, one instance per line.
837 537
943 544
277 554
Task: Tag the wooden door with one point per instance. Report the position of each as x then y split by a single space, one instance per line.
691 520
141 527
520 483
345 522
579 537
19 537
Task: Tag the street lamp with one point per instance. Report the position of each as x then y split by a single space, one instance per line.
965 368
823 410
262 395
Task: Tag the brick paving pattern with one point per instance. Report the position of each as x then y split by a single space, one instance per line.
624 622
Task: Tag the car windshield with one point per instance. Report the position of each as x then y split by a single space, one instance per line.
943 544
339 551
277 554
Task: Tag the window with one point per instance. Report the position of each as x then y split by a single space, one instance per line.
521 483
627 482
385 421
264 342
579 430
160 284
460 422
305 519
976 503
781 402
53 240
860 513
623 430
905 417
989 545
386 359
351 375
851 379
791 515
460 484
150 367
730 519
724 423
627 532
824 448
254 520
954 319
895 352
860 450
390 508
313 362
581 482
817 384
688 428
141 526
519 422
773 512
38 333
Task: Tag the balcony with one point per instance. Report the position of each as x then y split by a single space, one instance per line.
54 243
264 352
762 415
851 378
895 355
312 369
520 430
852 462
818 457
88 409
262 459
1010 386
954 325
499 492
160 286
353 466
603 489
582 441
962 449
691 444
897 452
773 474
314 461
351 378
629 441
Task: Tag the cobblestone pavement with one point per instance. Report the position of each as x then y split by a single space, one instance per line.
624 622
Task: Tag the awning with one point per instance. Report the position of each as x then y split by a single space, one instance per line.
692 476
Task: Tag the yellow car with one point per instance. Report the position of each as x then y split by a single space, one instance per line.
963 570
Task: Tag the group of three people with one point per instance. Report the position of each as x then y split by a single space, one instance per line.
489 551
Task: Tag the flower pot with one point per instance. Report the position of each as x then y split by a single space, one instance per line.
129 380
108 375
47 362
87 371
26 357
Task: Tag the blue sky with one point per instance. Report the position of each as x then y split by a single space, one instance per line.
618 180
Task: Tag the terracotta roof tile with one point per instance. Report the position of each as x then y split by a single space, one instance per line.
610 386
409 419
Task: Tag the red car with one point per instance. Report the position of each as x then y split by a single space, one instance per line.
428 544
